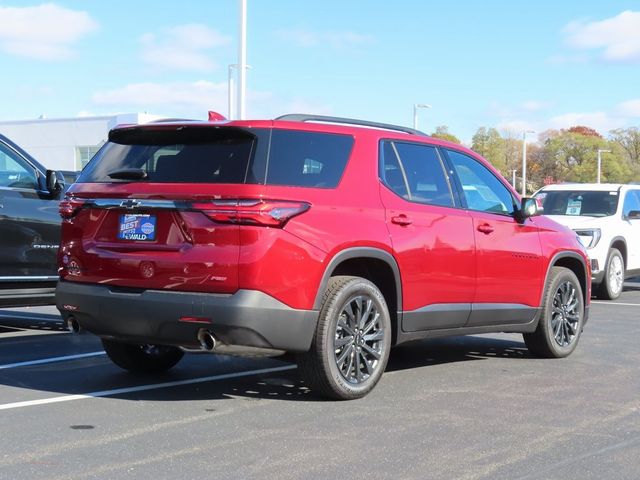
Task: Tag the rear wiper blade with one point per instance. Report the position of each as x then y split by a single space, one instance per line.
128 174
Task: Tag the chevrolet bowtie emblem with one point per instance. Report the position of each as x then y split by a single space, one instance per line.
131 203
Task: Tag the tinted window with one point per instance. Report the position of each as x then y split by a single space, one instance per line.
631 202
223 155
307 159
391 173
187 154
584 203
420 171
15 172
481 188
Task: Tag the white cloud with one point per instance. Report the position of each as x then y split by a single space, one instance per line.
313 38
600 121
516 127
195 99
498 109
534 105
630 108
573 59
618 37
43 32
176 98
622 115
184 47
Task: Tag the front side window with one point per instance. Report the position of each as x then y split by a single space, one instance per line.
15 172
481 188
631 202
415 172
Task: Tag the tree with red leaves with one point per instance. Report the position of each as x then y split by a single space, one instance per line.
585 131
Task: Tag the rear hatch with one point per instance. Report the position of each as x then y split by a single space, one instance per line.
157 208
162 206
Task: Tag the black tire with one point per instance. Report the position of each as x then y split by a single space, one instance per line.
562 317
349 352
612 284
142 358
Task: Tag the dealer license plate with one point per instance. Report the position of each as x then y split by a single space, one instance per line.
137 227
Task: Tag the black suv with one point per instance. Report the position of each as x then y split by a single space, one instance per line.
29 227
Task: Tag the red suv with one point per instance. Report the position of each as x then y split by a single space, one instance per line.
328 237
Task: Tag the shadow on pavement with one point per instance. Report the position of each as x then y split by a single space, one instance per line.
98 374
453 349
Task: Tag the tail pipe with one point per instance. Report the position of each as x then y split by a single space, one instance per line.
207 341
72 324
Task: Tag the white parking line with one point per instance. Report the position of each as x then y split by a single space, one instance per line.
50 360
141 388
617 303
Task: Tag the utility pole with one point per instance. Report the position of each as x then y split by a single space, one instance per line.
416 106
242 61
600 152
524 161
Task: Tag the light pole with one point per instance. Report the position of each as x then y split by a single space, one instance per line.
513 177
242 61
600 162
230 91
416 106
524 161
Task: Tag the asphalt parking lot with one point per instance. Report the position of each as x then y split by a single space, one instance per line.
474 407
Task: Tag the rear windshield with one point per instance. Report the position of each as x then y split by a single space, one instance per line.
222 155
579 203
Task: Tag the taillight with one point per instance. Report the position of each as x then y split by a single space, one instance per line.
265 213
69 207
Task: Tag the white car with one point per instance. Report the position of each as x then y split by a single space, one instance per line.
606 218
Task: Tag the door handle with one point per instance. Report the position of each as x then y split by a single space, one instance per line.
401 220
485 228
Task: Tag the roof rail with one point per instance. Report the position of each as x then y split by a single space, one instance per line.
173 120
301 117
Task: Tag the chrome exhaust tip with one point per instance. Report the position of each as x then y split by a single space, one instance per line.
207 340
72 324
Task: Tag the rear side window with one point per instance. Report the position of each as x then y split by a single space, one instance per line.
307 159
415 172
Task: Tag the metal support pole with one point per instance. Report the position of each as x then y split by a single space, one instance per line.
242 61
231 92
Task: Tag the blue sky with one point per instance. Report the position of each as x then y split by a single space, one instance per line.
510 65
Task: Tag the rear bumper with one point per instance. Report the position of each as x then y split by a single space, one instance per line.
248 317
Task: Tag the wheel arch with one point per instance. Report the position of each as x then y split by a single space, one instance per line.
374 264
621 244
574 262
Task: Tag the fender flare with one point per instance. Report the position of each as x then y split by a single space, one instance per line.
554 259
626 247
359 252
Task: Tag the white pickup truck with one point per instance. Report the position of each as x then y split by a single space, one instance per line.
606 218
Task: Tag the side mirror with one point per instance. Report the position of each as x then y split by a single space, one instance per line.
633 215
528 208
55 181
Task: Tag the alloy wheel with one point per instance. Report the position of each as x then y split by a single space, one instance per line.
616 274
359 339
565 318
